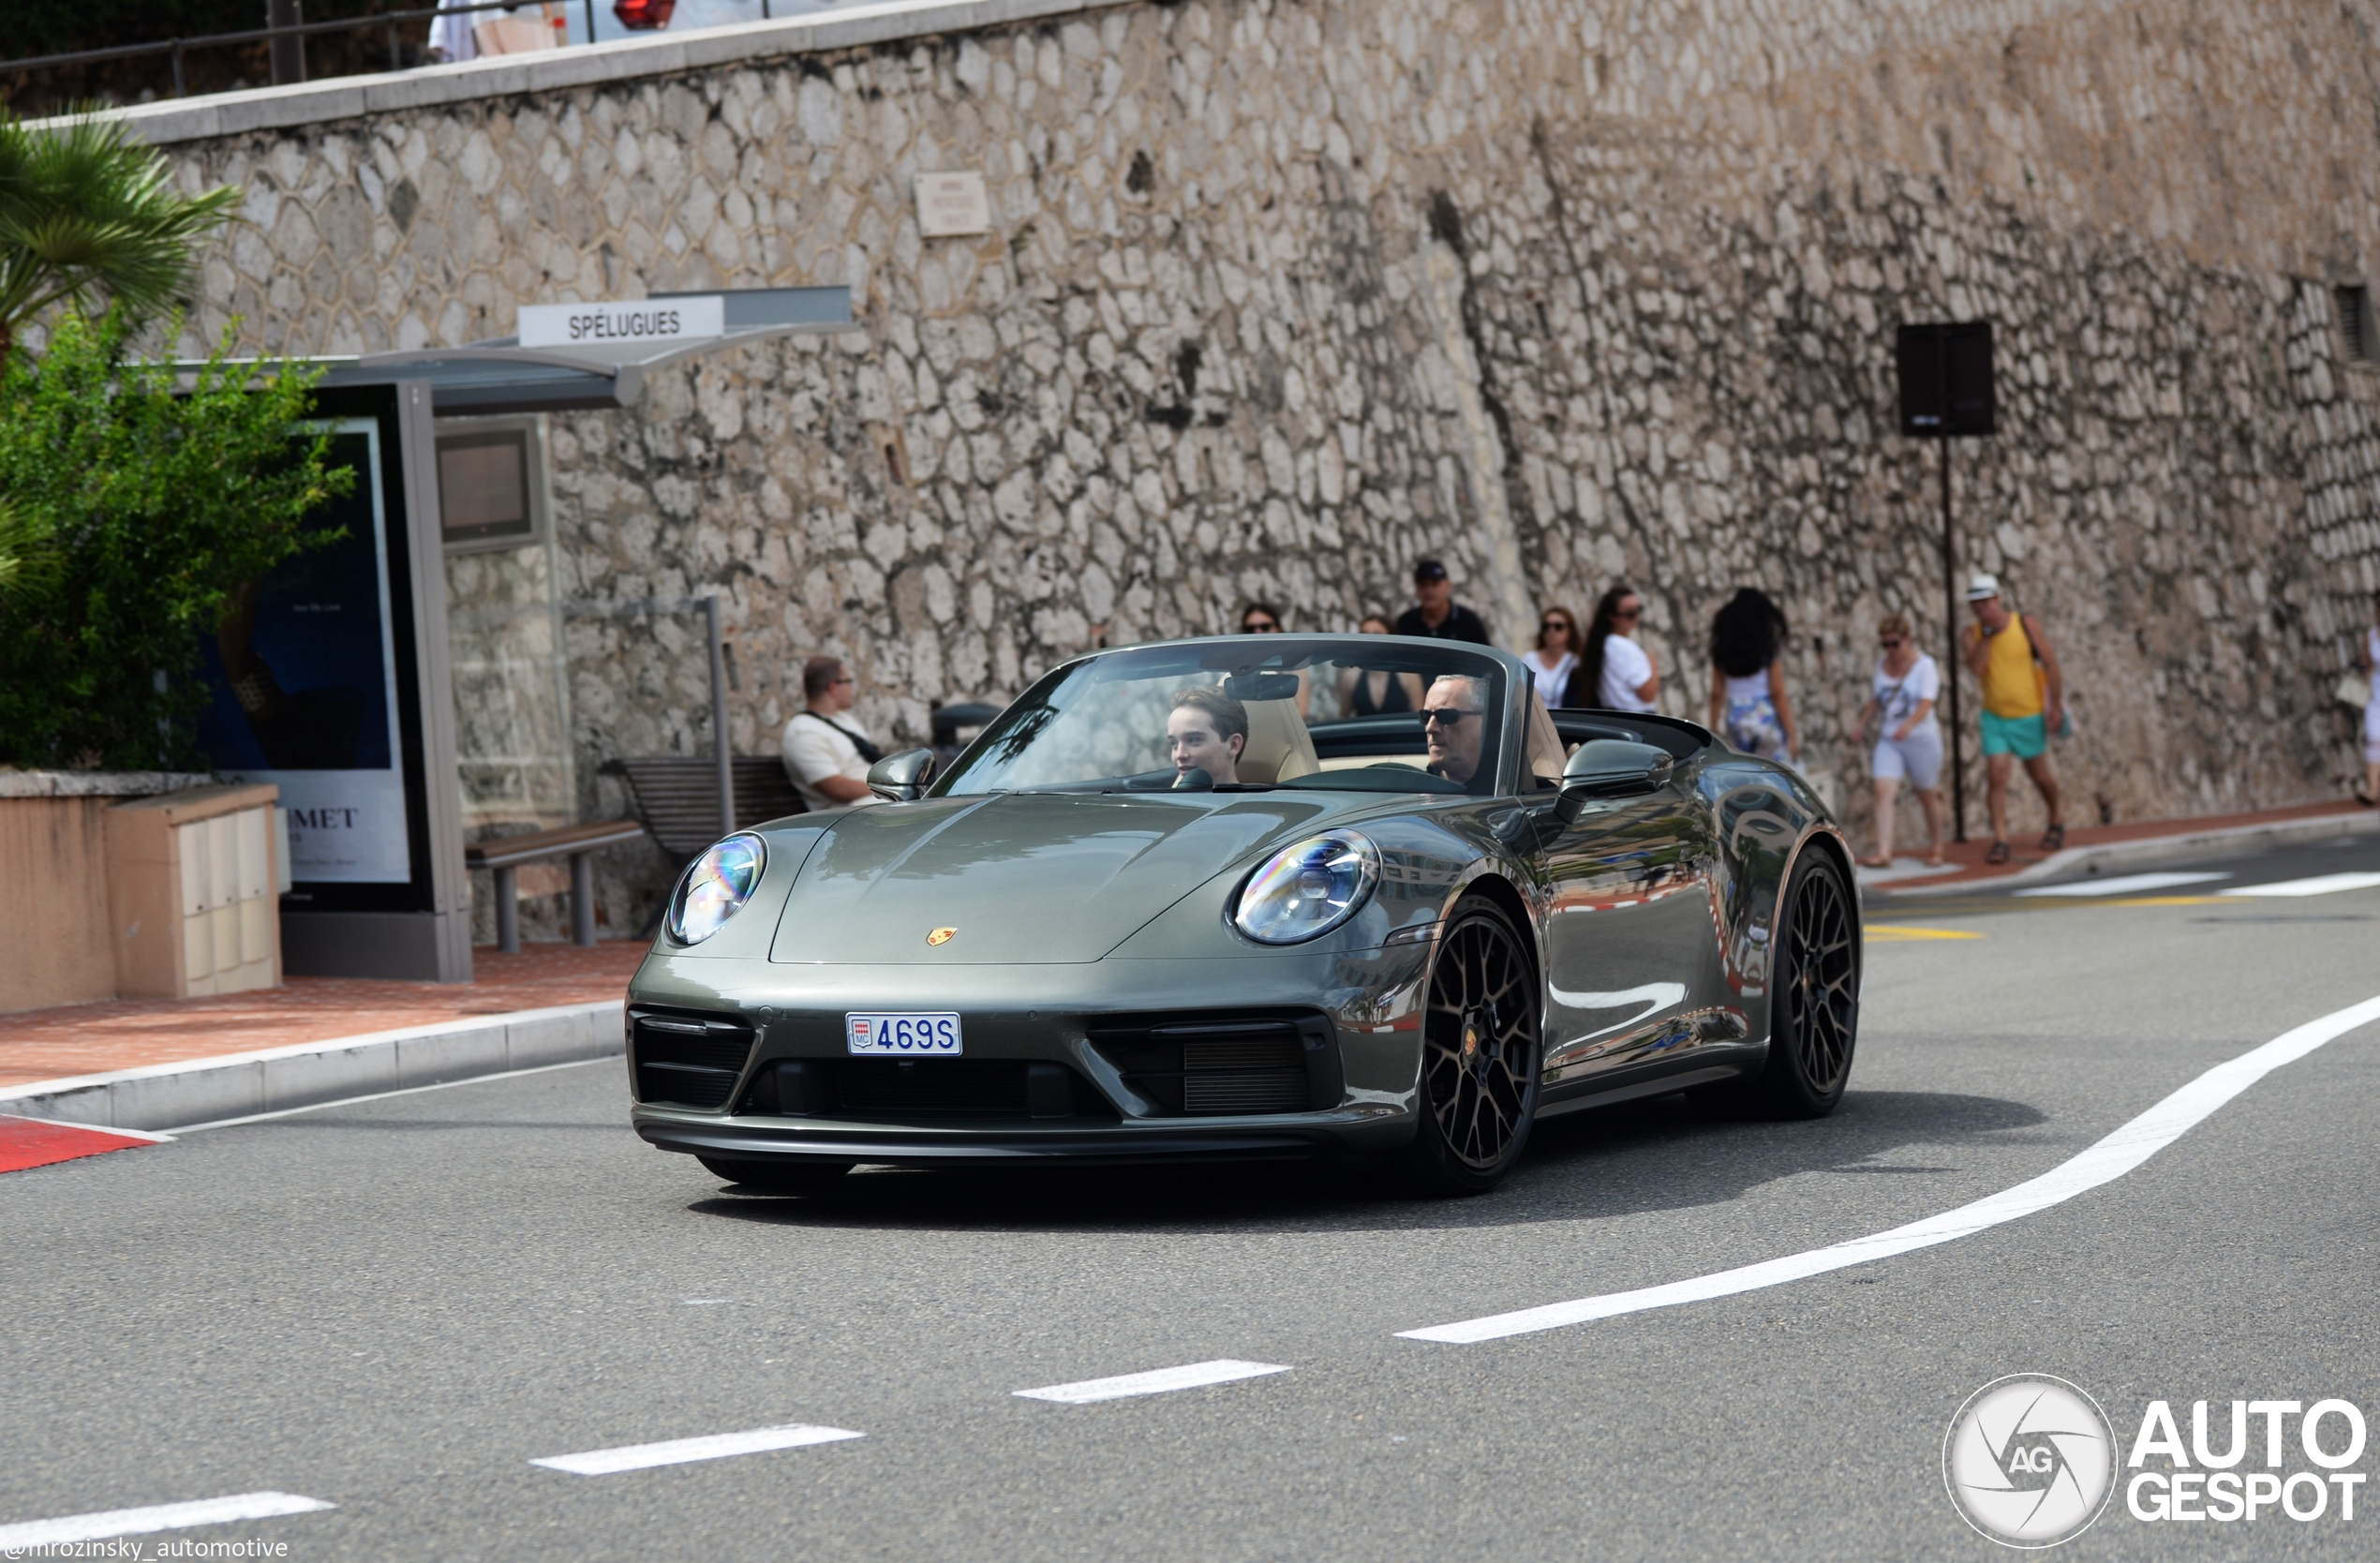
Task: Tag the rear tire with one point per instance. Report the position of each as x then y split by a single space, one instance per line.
1478 1083
1813 1007
779 1177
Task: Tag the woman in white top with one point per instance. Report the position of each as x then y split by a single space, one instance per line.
2370 796
1748 706
1557 656
1909 741
1614 672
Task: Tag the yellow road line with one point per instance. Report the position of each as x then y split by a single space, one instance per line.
1902 933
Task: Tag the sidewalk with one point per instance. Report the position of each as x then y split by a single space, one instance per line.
2141 842
99 1038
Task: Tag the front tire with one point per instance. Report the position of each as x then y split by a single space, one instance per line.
779 1177
1480 1058
1813 1007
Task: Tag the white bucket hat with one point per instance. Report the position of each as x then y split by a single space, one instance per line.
1984 585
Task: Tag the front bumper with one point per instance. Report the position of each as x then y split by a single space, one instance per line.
1363 1006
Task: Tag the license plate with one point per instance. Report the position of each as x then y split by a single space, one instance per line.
905 1035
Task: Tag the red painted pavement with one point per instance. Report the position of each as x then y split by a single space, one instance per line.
30 1142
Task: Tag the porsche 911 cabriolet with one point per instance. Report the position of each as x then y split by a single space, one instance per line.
1261 898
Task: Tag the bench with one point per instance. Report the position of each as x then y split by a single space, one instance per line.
677 796
506 853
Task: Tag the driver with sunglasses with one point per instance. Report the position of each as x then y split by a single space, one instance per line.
1456 727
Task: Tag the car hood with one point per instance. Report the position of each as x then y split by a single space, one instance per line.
1019 876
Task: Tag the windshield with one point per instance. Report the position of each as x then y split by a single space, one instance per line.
1356 713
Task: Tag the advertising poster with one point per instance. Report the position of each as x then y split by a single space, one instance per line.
302 676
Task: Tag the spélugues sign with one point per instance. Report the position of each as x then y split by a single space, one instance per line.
692 319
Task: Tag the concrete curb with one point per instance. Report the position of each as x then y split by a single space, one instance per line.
2141 854
309 1074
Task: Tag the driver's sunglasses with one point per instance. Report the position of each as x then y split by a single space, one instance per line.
1444 714
1259 627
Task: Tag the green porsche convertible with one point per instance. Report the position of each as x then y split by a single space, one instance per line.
1259 897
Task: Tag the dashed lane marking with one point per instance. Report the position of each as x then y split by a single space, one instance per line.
685 1451
1161 1381
1902 933
2104 1162
2123 885
2321 885
15 1539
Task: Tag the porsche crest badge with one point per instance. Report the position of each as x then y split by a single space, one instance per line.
941 936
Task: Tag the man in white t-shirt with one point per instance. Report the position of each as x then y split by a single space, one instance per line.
826 753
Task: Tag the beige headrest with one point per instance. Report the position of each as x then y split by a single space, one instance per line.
1279 747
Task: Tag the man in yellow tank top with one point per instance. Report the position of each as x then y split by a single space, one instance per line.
2024 703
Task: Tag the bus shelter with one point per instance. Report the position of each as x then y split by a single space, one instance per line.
335 679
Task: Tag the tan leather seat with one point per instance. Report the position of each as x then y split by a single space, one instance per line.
1279 747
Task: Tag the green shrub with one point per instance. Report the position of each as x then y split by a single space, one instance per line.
141 506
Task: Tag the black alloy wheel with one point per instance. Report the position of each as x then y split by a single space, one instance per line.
1813 1015
778 1176
1479 1057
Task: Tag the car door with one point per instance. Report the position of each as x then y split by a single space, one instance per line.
1628 935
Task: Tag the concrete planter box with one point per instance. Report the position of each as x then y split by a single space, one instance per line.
143 885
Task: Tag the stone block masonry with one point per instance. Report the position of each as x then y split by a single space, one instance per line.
1282 293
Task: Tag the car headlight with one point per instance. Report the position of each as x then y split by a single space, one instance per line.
716 888
1304 891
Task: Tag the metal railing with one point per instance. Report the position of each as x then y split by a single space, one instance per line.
179 47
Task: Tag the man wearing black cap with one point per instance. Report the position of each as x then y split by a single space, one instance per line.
1434 613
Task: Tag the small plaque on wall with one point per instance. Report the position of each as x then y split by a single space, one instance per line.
952 205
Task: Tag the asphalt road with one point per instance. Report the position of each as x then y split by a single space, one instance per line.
396 1306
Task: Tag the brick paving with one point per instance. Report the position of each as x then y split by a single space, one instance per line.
89 1038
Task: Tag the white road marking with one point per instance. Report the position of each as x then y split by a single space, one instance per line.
2124 884
2321 885
163 1517
2104 1162
685 1451
1161 1381
148 1135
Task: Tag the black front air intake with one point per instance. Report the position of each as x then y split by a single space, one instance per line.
1200 1065
683 1059
926 1091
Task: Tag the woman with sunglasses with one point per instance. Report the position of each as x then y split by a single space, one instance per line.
1909 741
1556 659
1614 672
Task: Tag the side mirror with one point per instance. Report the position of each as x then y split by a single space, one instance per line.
1611 767
901 778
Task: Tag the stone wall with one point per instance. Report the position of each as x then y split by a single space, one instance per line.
1283 293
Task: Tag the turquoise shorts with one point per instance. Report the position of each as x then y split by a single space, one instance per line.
2027 736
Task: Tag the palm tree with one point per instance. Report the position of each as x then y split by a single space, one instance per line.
86 210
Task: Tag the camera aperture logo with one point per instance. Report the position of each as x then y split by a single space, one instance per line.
2029 1461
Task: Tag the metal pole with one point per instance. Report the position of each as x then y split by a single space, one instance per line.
181 88
288 49
719 717
1955 664
591 21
